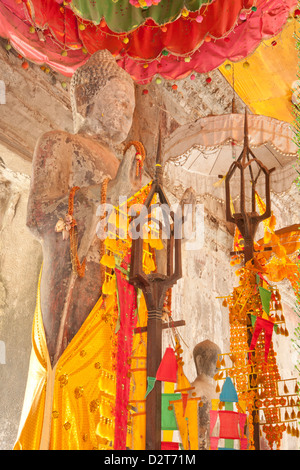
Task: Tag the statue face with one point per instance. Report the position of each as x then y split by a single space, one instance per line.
111 112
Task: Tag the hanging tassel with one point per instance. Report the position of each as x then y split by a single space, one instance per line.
78 267
149 262
286 333
105 287
108 260
285 389
111 244
292 402
253 382
109 287
156 243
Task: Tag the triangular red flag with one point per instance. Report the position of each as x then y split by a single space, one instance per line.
167 371
184 397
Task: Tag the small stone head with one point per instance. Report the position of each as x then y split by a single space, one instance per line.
102 97
205 356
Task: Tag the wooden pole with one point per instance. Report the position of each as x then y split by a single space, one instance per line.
154 354
153 400
248 255
164 326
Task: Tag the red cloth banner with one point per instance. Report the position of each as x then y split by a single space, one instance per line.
169 446
214 442
182 46
128 319
267 326
229 424
213 419
167 371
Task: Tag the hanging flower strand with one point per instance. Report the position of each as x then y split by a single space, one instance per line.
68 227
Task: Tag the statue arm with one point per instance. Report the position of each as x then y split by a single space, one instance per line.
51 169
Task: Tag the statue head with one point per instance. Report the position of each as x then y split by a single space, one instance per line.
205 357
102 98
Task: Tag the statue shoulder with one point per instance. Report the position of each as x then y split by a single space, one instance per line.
54 137
49 149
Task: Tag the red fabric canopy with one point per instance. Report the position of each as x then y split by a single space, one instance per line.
181 37
266 22
45 32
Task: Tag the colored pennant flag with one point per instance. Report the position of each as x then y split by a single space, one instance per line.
169 446
267 326
167 371
168 418
184 402
228 393
265 296
151 382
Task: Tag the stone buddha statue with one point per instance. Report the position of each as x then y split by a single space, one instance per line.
103 100
205 358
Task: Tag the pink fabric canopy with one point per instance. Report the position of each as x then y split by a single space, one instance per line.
56 30
266 22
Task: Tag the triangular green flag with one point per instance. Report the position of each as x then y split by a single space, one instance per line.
168 419
253 320
151 383
265 296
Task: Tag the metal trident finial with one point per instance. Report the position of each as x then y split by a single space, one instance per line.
246 139
158 166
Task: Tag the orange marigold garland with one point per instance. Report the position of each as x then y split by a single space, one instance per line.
256 379
102 245
68 227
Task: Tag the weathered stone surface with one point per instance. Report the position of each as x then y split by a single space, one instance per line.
20 261
206 354
63 160
35 103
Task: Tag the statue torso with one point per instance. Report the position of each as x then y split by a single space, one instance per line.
62 161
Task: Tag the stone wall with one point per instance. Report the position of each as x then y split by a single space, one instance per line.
20 261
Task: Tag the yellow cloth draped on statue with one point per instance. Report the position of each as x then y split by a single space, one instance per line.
72 406
63 405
